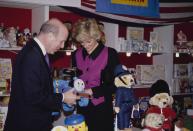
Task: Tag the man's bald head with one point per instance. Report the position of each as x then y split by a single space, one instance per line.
52 26
53 34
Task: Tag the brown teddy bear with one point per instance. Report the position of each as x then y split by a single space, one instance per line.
124 97
161 103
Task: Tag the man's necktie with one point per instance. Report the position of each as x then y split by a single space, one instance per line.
47 59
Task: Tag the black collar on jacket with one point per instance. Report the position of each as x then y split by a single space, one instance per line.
95 53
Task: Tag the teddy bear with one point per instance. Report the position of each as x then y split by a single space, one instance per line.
124 97
161 103
153 122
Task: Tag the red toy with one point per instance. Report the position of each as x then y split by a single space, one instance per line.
161 102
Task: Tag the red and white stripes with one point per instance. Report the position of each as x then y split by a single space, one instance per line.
170 13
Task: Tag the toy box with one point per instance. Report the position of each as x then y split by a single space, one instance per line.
147 74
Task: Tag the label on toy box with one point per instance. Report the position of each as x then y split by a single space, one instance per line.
3 114
147 74
4 86
5 68
180 70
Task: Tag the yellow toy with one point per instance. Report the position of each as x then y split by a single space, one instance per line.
59 128
75 122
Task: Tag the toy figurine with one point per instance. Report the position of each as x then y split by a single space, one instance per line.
61 86
153 122
59 128
136 116
161 103
181 36
124 98
75 122
10 35
2 27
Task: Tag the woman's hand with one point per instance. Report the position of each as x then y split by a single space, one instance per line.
89 91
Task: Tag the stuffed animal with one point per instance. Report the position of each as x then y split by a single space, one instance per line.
161 103
10 35
21 41
124 97
59 128
75 122
61 86
153 122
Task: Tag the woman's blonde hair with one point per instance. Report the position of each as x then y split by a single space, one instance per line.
86 29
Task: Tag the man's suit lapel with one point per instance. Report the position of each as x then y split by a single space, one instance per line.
42 56
39 51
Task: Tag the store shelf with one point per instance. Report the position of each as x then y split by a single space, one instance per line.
70 50
3 95
142 86
15 48
179 94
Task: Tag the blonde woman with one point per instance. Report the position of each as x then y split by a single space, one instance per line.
96 64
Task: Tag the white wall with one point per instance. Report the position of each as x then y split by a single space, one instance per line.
39 16
111 34
166 37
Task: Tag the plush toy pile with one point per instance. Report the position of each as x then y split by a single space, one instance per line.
161 104
124 98
73 122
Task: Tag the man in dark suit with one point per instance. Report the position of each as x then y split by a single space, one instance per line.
32 98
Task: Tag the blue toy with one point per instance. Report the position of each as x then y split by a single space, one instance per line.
124 97
61 86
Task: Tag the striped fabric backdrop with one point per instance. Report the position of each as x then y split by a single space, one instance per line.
171 12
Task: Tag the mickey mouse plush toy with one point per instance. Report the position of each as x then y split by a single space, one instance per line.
161 103
124 98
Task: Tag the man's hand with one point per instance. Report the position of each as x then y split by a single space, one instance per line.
117 109
70 97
